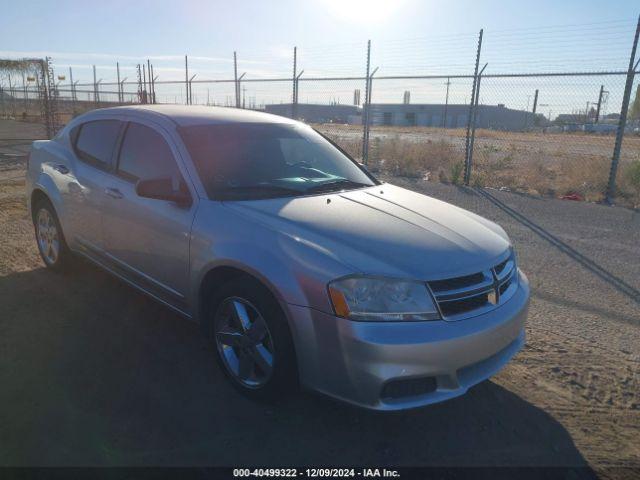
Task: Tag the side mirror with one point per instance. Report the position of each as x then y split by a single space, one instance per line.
163 189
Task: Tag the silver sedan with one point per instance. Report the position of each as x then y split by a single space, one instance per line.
299 265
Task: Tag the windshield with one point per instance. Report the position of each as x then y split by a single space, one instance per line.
250 161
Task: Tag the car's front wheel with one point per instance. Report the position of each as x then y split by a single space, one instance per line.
50 239
252 339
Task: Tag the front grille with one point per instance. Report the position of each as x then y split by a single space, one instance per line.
470 295
459 282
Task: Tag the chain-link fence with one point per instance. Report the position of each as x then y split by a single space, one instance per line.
454 118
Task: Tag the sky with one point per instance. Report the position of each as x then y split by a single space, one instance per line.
409 37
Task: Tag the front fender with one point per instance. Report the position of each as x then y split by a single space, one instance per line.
295 271
47 185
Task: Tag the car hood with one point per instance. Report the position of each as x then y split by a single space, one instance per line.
386 230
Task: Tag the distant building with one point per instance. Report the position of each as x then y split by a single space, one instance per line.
316 113
565 118
611 118
496 117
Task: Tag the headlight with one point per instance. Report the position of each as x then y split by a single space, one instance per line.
382 299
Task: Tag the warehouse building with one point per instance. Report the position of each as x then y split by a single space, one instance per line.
496 117
315 113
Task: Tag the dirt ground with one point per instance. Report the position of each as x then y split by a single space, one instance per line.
93 373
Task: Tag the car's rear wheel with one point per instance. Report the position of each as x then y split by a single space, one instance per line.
252 340
50 239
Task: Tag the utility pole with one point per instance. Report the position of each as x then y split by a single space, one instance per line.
599 103
611 187
446 104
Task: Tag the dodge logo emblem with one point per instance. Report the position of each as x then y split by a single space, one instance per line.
492 297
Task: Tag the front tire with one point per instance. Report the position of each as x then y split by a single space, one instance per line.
252 340
51 243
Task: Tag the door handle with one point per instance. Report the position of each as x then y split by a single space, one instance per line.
113 193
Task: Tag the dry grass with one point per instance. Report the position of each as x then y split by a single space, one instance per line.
532 163
428 159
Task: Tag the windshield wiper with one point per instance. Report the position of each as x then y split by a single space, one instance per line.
258 191
336 185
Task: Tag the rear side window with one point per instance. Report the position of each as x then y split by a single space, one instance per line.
96 141
145 155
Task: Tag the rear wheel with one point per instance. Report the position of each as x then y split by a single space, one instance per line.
50 239
252 339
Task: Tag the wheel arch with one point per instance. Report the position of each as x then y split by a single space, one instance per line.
218 275
38 194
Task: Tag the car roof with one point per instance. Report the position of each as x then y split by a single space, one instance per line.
186 115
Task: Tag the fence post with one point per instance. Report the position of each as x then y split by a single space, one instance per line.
13 96
139 79
149 81
467 165
47 82
72 90
535 107
153 86
186 80
365 110
95 87
599 103
235 77
118 75
473 121
25 95
294 97
611 187
297 90
446 104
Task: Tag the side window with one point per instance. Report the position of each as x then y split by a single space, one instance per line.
96 140
145 155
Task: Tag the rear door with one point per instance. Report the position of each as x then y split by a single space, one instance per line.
148 238
94 145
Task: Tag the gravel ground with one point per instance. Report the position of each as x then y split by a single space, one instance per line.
93 373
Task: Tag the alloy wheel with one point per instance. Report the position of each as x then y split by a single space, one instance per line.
244 342
48 237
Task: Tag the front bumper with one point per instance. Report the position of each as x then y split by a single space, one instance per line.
353 361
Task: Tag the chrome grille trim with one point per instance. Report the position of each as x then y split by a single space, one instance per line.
457 293
474 299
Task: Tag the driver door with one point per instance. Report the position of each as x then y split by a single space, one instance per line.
148 239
